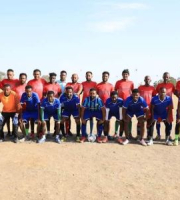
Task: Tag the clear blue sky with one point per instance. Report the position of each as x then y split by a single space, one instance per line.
96 35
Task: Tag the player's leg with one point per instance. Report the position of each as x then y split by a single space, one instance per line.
91 124
14 117
48 128
41 138
142 130
168 127
32 129
126 128
158 130
64 119
177 131
78 128
86 117
2 119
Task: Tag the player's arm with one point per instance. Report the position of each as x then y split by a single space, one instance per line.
80 89
178 113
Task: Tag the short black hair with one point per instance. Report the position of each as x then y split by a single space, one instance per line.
10 70
52 74
28 87
37 70
50 92
135 90
69 88
63 71
105 72
89 72
114 93
7 85
125 71
22 74
92 89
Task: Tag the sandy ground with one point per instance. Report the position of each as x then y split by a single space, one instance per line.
73 171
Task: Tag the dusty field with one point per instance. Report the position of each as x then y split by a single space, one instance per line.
72 171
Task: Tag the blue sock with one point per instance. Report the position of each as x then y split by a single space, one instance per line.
83 130
100 129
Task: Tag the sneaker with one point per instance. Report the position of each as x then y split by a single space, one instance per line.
120 140
176 143
22 139
63 139
115 135
32 136
157 138
57 139
105 139
99 140
77 139
169 143
150 142
83 139
137 138
16 140
42 140
142 142
126 141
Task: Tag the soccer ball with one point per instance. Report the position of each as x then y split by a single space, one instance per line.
91 137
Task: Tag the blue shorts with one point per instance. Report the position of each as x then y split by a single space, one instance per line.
47 116
161 117
138 114
68 113
90 114
27 115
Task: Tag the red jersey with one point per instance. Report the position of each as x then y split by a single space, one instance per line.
124 88
12 82
77 87
178 87
52 87
38 86
87 85
104 90
20 89
147 92
170 89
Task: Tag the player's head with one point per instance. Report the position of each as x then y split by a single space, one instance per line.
162 92
74 78
135 94
166 77
63 75
125 74
7 89
22 78
50 96
89 76
114 96
37 74
147 80
28 90
105 76
92 93
69 92
52 77
10 74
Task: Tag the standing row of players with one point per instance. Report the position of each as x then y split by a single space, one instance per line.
123 89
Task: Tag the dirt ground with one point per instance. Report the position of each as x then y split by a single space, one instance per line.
74 171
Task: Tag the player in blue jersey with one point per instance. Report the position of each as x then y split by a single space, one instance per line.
50 107
113 109
70 106
161 108
135 105
29 101
92 107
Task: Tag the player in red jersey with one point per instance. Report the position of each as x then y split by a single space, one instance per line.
124 88
147 92
37 84
87 85
20 88
12 82
52 85
170 90
178 88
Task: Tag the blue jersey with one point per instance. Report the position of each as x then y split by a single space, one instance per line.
31 102
160 107
135 106
93 104
50 107
69 104
114 106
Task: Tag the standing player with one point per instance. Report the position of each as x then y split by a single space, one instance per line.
147 92
11 107
71 106
177 128
37 84
87 85
92 107
20 88
170 90
124 88
29 101
161 108
62 81
50 107
113 109
135 105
